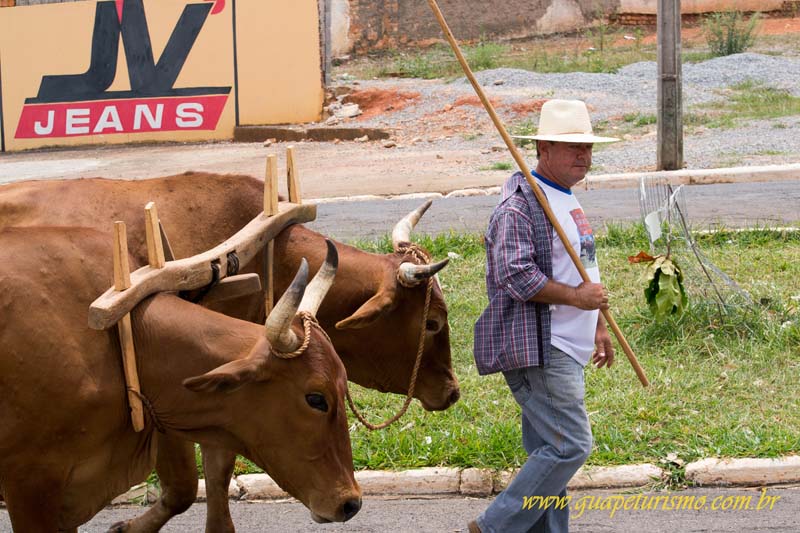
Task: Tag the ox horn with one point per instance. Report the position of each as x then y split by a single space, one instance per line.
319 286
402 230
412 274
279 321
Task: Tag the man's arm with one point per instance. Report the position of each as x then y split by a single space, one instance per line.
517 272
587 296
512 242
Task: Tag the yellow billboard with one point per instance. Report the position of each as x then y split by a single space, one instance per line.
120 71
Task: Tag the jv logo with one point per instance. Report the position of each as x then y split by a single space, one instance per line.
82 104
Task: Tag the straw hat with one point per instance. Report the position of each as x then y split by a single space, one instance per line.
566 121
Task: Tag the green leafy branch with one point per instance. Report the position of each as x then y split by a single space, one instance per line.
664 290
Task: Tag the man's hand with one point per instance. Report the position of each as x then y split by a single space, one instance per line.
590 296
604 350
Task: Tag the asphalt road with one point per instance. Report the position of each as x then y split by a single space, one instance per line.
441 515
732 205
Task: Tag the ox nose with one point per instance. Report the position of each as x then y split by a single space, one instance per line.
351 508
454 396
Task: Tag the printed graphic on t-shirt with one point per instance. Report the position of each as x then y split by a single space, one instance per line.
588 255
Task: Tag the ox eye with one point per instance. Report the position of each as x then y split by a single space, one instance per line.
317 401
432 325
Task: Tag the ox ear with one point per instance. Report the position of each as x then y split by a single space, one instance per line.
230 376
367 313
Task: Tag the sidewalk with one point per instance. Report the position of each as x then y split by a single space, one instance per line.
328 170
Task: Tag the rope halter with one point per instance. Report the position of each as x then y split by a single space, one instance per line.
421 255
309 320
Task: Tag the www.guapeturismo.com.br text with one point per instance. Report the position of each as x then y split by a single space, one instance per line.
650 502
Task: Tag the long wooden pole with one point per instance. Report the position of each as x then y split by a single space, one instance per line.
523 166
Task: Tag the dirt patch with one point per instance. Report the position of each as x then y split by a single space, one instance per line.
526 108
447 122
375 102
474 101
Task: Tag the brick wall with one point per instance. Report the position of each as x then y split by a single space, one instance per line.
385 24
374 25
789 8
392 23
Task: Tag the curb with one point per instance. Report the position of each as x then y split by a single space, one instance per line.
700 176
295 133
755 174
482 482
744 471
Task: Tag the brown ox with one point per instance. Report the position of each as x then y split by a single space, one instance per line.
372 319
66 442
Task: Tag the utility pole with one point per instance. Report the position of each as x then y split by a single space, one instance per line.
670 81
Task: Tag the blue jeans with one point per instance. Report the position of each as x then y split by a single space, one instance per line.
558 439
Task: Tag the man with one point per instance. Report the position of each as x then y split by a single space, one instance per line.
543 324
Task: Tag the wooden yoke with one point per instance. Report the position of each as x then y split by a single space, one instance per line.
292 178
122 282
270 209
195 272
155 236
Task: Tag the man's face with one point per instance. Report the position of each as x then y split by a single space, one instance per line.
566 163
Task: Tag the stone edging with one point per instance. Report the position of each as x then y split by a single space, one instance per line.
615 181
479 482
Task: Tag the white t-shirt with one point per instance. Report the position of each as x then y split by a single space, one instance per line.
573 329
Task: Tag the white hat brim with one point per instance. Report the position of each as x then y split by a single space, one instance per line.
569 138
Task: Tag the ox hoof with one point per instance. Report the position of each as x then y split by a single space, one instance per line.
119 527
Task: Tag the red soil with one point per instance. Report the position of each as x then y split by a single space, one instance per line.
379 101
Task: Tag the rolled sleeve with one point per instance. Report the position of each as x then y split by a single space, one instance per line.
517 271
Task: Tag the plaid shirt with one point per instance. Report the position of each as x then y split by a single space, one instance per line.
513 332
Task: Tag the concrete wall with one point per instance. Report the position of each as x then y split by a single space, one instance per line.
66 78
341 42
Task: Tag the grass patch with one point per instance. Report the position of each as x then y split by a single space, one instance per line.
729 33
485 55
439 61
749 100
600 49
720 387
752 99
716 383
593 52
526 127
500 165
639 120
696 56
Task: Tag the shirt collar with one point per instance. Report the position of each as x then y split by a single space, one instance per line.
552 184
518 181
